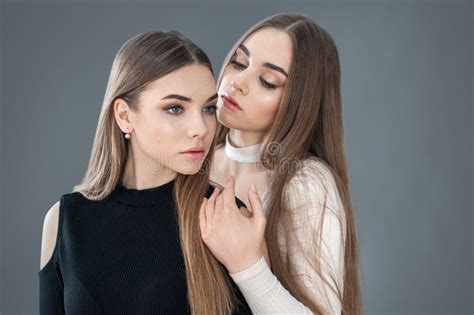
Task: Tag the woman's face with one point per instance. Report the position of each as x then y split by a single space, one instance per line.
175 113
255 79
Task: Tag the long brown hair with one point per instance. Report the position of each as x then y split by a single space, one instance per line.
142 59
308 124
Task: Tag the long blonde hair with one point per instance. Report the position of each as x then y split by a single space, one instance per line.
141 60
308 124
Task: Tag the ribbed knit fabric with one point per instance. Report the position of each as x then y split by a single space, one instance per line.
119 255
317 217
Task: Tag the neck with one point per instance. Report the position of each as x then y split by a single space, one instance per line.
248 154
244 138
142 172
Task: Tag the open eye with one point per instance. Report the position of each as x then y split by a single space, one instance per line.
210 109
174 110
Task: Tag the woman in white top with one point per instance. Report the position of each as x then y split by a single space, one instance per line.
282 137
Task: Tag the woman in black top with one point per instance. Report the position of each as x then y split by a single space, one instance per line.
126 240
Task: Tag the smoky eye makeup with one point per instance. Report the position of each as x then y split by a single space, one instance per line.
267 84
240 65
238 62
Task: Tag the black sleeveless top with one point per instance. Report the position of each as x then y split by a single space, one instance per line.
119 255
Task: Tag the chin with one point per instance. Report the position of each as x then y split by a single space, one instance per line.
226 119
190 169
188 172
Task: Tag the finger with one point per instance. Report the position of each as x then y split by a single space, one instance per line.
202 217
255 203
210 205
229 191
245 212
219 203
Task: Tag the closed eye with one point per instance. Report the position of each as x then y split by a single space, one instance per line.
238 65
267 85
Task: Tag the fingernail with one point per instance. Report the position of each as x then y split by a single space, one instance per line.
254 189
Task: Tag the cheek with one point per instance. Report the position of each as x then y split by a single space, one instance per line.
212 126
266 106
157 136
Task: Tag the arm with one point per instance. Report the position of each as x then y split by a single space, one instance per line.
306 194
50 284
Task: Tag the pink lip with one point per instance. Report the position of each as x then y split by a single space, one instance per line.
195 149
230 103
195 155
195 152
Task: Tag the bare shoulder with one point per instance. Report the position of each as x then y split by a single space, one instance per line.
50 230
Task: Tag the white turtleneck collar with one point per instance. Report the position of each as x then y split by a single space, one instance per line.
250 154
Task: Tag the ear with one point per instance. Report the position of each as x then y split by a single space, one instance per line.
123 115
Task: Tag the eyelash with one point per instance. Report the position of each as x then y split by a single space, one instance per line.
214 108
265 84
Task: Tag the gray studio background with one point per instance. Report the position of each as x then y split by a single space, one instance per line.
407 91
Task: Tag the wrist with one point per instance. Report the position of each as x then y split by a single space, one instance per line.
243 264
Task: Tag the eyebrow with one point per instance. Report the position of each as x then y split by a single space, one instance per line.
185 98
266 64
245 49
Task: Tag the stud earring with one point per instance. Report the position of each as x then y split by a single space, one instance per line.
127 135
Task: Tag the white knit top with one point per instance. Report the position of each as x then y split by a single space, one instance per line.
314 226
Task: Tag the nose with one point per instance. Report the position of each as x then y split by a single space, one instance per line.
197 126
239 82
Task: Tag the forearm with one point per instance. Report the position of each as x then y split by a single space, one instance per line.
264 293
